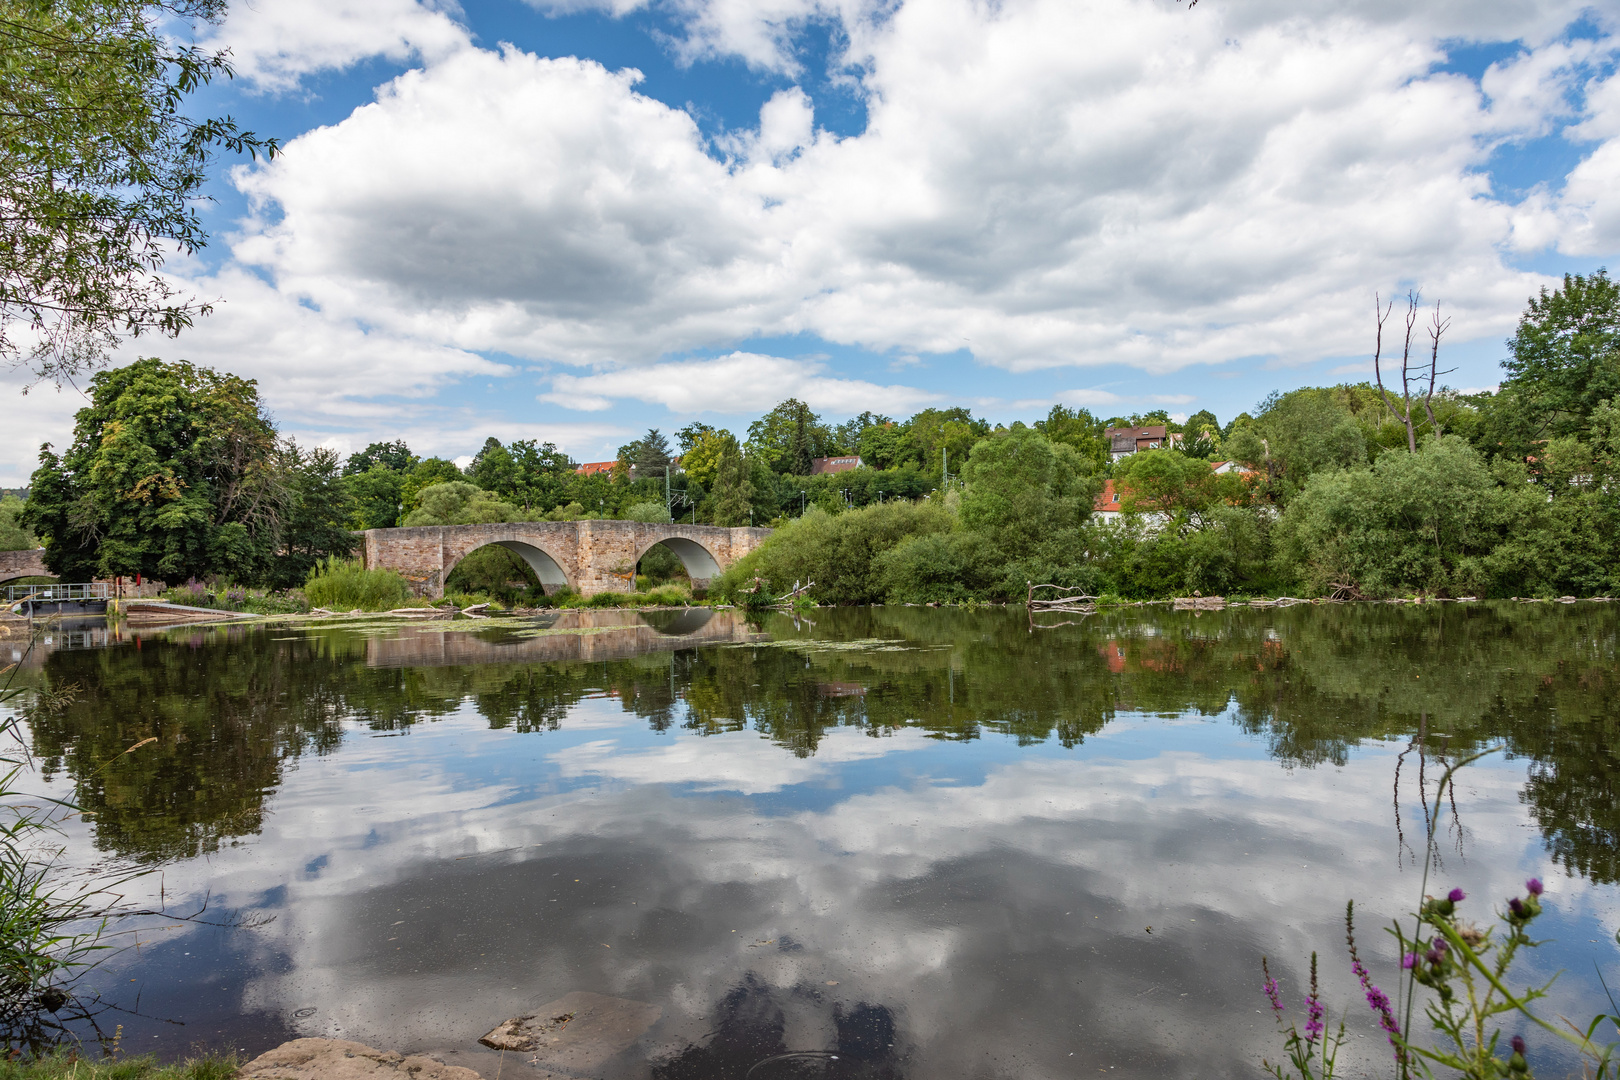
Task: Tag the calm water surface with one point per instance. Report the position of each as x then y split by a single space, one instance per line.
936 843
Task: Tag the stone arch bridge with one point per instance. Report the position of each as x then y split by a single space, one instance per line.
29 562
589 557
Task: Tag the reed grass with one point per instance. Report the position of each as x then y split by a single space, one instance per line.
343 585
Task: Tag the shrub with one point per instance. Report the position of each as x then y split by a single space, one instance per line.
1422 522
342 585
663 596
837 552
653 511
460 503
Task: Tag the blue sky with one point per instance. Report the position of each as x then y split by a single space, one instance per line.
482 224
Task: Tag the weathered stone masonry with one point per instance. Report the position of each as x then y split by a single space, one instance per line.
27 563
588 556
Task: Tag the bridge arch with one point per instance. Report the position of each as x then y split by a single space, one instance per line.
545 566
29 562
700 563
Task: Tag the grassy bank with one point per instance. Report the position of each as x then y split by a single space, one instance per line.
63 1065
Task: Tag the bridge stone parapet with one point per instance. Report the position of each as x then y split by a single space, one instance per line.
29 562
589 557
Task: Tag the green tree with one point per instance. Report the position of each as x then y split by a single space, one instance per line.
733 487
1565 357
1079 429
701 461
788 437
13 535
494 470
1413 523
846 437
102 171
886 446
173 473
951 430
374 497
457 502
1024 491
423 475
838 552
1185 489
690 435
315 522
390 455
652 452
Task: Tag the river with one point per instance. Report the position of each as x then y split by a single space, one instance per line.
909 842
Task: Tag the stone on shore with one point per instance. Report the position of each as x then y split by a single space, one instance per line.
578 1033
339 1059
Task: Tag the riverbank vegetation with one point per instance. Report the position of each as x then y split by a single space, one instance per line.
67 1065
176 472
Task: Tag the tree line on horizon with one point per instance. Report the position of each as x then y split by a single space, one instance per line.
176 471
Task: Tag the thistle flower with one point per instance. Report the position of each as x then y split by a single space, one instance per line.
1409 961
1516 906
1456 896
1518 1044
1533 887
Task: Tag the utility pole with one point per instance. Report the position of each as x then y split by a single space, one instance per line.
668 506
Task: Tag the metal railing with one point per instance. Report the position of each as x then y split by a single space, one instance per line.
95 590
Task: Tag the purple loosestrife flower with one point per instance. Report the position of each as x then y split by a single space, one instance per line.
1456 896
1270 988
1376 998
1313 1019
1533 887
1379 1003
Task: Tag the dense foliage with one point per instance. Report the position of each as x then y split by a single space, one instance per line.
100 171
175 472
13 535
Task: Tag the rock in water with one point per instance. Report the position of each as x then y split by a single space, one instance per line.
339 1059
578 1033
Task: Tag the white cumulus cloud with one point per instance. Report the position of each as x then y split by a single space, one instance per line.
1187 187
739 383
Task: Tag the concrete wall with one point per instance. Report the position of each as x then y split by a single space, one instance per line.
588 556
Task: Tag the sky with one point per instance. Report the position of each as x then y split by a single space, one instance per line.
573 220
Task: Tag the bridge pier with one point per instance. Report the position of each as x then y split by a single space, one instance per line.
589 557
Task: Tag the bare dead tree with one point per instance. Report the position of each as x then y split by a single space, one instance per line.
1410 374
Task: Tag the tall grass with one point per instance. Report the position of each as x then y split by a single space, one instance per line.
65 1065
343 585
47 928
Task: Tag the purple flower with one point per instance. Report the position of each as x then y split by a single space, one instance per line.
1313 1018
1533 886
1456 896
1518 1044
1409 961
1516 906
1379 1002
1272 992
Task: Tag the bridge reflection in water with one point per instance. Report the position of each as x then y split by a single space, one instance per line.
566 635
